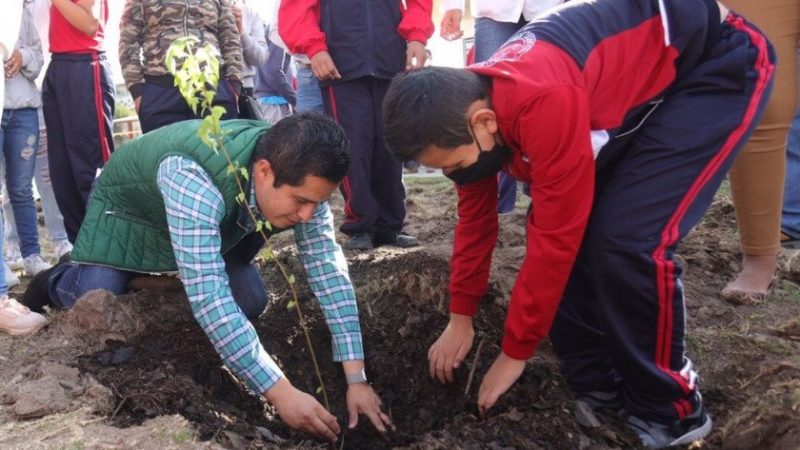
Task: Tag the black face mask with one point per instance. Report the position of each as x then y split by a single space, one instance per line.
488 165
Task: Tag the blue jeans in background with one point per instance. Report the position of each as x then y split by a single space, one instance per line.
52 216
489 36
20 143
790 221
70 281
309 95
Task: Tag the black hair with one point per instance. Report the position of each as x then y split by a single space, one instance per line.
305 144
429 107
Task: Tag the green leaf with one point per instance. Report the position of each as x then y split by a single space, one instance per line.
267 253
291 304
245 174
268 225
291 279
319 389
230 169
240 198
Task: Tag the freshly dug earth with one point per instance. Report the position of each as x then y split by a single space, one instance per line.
137 372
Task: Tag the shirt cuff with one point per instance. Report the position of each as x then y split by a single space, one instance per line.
464 304
263 374
516 349
315 48
347 346
419 36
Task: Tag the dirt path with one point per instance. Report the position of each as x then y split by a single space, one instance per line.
137 372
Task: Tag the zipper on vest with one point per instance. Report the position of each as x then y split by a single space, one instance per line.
130 217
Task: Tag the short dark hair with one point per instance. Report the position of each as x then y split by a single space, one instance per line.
305 144
429 107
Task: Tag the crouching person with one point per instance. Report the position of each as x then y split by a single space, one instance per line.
624 117
166 202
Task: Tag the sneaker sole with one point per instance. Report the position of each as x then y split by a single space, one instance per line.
20 331
696 434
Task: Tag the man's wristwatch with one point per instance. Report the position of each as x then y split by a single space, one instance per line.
358 377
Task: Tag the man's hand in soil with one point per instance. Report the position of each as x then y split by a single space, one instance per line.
323 67
302 411
449 351
362 399
415 55
505 371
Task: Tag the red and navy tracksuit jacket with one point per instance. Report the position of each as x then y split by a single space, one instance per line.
624 116
367 42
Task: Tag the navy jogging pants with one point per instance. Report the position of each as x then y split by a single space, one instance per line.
78 106
621 322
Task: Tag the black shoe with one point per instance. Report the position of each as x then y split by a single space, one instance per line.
662 435
395 239
360 241
37 296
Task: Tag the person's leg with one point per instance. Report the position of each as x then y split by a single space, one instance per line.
82 131
68 282
245 281
89 149
160 106
309 95
790 221
489 36
662 185
53 220
387 182
59 163
226 98
21 143
350 103
578 338
757 176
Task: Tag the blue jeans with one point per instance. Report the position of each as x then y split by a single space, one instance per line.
489 36
70 281
20 140
790 221
53 220
309 95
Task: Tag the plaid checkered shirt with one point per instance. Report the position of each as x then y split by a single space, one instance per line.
195 209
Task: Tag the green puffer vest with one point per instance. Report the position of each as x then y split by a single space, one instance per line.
125 224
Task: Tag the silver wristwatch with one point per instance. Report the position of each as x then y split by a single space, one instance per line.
358 377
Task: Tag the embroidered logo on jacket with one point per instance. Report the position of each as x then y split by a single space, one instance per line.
513 50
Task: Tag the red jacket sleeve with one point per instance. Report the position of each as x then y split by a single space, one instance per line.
416 24
475 237
553 130
298 26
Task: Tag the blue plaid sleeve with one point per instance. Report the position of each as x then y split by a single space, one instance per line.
195 208
329 279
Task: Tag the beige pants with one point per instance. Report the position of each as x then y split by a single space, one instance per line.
758 173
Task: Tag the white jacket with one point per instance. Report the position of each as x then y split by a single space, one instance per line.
10 22
503 10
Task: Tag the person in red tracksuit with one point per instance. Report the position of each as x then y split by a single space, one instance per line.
356 47
625 117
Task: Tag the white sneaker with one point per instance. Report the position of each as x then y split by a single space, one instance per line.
61 248
17 320
34 264
11 278
13 256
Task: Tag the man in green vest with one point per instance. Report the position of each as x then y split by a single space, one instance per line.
166 202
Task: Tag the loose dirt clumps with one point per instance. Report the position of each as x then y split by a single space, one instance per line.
49 387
